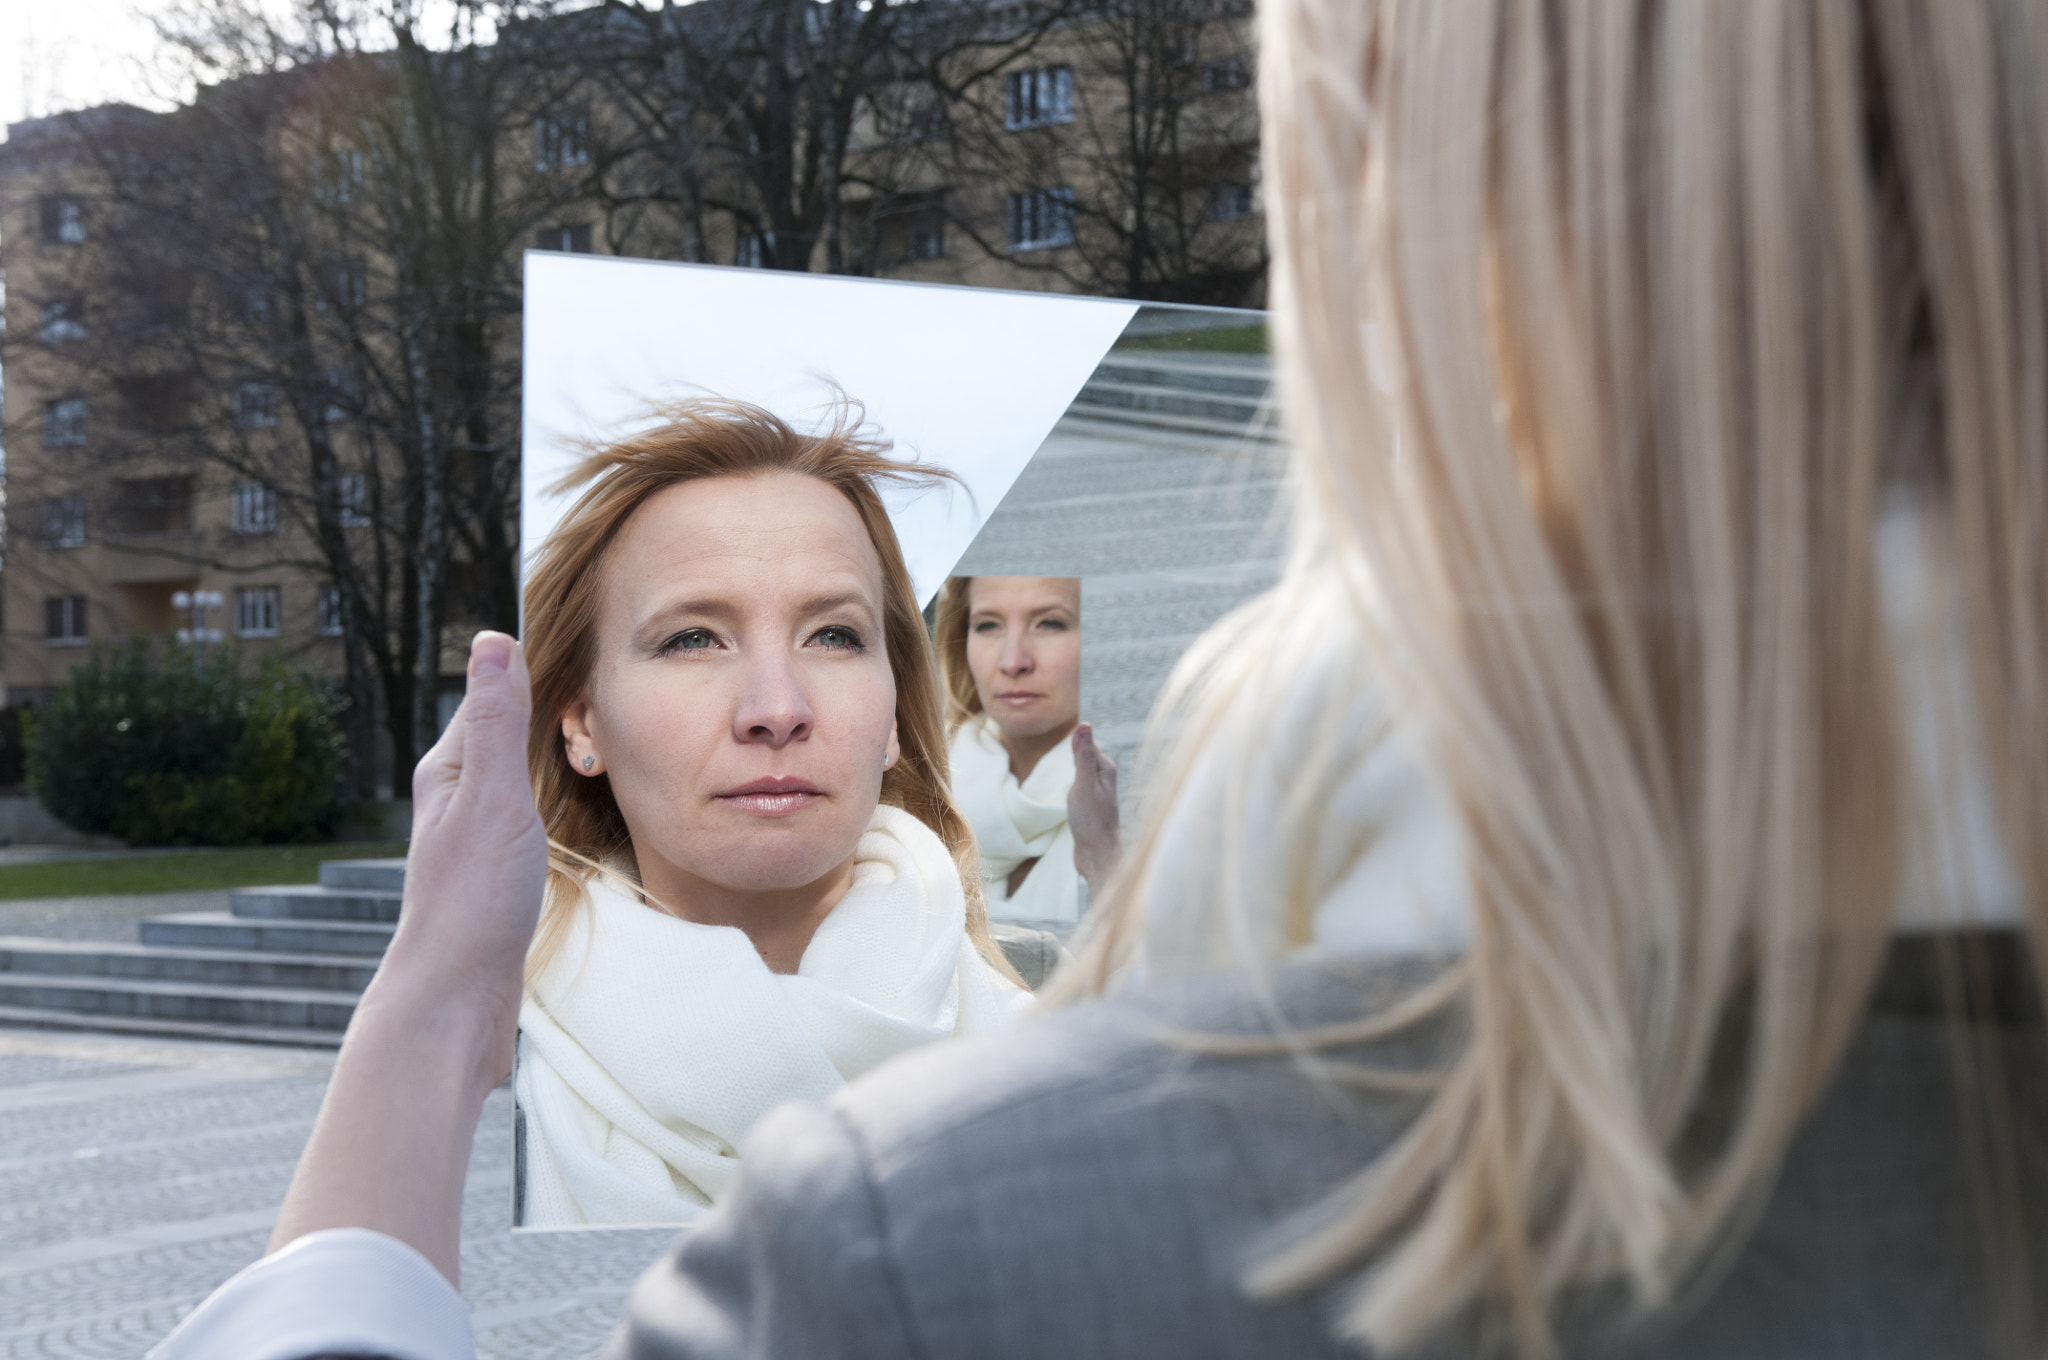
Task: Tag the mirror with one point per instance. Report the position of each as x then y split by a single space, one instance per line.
1114 466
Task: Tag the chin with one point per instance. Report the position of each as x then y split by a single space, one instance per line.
777 863
1034 725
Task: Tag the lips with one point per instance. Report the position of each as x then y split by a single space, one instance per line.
776 796
1018 697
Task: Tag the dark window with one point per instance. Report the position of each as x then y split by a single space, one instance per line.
64 423
64 620
1229 200
574 239
342 284
256 405
156 403
1224 74
151 505
63 221
61 321
1041 218
911 113
330 611
561 139
344 389
64 522
750 248
1038 98
353 495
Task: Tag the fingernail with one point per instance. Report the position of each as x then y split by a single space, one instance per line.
490 654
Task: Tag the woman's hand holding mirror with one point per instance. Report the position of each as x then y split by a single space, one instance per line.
1092 811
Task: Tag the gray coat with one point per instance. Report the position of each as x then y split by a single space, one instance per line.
1080 1189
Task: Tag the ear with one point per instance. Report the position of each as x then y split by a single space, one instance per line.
894 750
577 743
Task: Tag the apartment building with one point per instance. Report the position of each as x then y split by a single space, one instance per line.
201 400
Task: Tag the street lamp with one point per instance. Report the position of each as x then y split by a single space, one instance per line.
195 605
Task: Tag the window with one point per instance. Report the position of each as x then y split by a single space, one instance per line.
1041 217
561 139
353 495
64 522
255 611
1224 74
255 508
64 620
156 403
62 322
344 389
749 249
344 175
911 113
255 405
574 239
63 222
1039 98
330 611
151 505
924 235
64 423
1228 201
342 284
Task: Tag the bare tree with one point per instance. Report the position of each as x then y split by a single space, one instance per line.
307 280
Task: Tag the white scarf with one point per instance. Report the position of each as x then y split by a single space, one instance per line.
1015 822
650 1045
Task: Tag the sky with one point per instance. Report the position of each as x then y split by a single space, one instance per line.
68 54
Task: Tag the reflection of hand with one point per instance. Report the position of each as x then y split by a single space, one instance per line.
1091 811
436 1029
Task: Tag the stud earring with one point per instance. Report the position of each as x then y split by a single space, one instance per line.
588 761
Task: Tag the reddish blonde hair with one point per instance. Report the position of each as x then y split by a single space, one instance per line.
949 636
716 438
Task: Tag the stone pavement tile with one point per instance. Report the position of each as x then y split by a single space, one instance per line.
137 1174
99 918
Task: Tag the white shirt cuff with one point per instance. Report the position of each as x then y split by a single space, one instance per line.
341 1292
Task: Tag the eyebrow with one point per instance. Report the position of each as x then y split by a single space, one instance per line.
722 609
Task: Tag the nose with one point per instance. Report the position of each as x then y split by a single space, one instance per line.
1016 659
773 710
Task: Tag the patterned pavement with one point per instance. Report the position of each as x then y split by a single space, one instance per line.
135 1175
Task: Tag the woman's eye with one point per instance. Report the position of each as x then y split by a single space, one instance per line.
1053 625
839 637
689 640
988 626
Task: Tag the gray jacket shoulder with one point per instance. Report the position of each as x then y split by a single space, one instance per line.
1087 1186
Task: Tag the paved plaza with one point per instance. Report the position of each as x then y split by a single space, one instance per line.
136 1175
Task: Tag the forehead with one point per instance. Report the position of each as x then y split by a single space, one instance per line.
1024 594
767 533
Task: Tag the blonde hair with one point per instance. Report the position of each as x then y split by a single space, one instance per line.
949 639
1667 290
700 439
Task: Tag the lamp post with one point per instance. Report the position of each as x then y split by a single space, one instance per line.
195 605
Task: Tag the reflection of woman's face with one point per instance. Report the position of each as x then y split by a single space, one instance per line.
1024 651
741 699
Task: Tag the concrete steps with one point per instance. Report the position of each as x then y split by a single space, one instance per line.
1199 397
284 965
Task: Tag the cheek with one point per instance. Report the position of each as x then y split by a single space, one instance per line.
1063 659
982 655
854 710
657 733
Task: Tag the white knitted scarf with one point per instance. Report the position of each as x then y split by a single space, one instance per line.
650 1045
1015 822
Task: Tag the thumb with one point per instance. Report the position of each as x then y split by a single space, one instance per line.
495 707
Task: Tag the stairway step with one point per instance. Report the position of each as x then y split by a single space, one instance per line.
312 902
1235 429
276 1007
1176 401
1240 382
23 955
377 875
226 931
169 1029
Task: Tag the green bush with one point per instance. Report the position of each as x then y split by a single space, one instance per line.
187 753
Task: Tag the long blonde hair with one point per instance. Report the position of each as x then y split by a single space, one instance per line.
1667 291
698 439
949 638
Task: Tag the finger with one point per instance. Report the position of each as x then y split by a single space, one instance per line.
494 712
